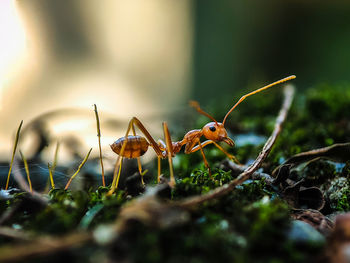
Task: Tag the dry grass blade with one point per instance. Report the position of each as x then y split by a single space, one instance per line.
51 176
54 164
99 144
79 168
26 168
23 184
218 192
52 169
13 154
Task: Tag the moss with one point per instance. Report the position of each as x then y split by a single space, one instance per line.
200 182
65 209
214 235
344 201
338 194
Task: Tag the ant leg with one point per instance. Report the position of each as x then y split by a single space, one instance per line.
162 146
169 147
153 143
118 164
119 171
138 158
230 156
116 177
158 148
204 158
159 169
205 143
142 173
158 151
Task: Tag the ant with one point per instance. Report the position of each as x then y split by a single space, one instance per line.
134 146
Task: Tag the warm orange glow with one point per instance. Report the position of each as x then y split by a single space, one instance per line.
12 41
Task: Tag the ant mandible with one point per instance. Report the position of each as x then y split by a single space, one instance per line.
134 146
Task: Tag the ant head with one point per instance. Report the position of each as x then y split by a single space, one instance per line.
216 132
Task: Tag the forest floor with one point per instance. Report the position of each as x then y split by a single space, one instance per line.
289 202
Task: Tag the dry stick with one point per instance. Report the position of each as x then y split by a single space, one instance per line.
80 166
16 234
339 152
42 246
237 169
13 154
218 192
27 171
99 144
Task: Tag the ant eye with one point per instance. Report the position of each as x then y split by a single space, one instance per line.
212 128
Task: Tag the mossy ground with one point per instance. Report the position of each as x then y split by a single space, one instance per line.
251 224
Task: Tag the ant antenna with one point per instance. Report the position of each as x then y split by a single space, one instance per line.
195 105
256 91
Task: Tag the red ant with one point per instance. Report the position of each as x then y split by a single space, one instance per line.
134 146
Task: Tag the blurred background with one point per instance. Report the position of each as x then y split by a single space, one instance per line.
148 58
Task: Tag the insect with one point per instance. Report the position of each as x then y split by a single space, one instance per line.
134 146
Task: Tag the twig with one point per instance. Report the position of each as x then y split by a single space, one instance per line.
99 144
14 233
13 154
42 246
237 169
338 152
220 191
80 166
27 171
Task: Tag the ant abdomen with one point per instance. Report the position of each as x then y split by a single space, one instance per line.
136 146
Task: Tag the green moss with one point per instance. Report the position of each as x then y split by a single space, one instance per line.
213 235
344 201
338 194
200 182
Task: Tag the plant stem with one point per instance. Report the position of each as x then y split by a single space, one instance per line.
13 154
99 144
27 171
79 168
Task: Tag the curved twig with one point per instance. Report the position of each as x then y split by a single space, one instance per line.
220 191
